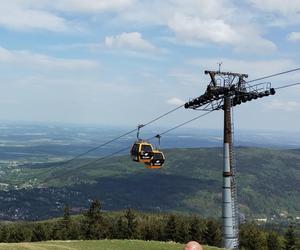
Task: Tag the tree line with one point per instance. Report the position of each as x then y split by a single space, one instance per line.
129 224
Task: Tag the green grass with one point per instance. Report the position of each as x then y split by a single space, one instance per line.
96 245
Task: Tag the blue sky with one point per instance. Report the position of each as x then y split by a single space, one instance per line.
123 62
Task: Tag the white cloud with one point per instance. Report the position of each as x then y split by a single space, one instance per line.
256 44
192 22
131 41
280 6
217 22
28 59
280 12
143 11
175 101
294 36
18 16
288 106
48 15
210 30
91 5
196 30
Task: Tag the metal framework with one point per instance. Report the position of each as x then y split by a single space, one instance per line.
226 90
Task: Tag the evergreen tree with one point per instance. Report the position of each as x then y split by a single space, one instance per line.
147 228
19 233
69 230
110 222
147 233
212 234
290 238
196 229
27 233
252 238
120 232
182 235
94 222
159 231
66 221
55 232
273 241
157 228
4 233
171 232
132 225
74 230
39 232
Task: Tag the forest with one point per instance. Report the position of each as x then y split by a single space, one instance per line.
96 224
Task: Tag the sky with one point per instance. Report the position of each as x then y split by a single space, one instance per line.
124 62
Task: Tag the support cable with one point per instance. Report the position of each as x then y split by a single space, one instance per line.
273 75
99 146
149 139
120 136
287 86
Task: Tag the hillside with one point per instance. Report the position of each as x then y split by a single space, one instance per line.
191 181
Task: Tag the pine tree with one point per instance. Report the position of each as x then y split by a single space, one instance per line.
65 224
148 233
196 229
74 230
147 229
67 217
212 234
171 228
132 225
39 232
273 241
290 238
55 232
68 228
19 233
94 222
157 227
182 232
120 231
252 238
4 234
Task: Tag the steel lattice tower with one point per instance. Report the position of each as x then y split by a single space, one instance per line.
225 91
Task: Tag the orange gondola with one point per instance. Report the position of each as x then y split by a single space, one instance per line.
141 151
157 161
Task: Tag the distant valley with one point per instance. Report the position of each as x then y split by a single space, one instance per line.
35 184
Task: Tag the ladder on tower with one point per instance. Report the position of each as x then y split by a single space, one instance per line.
234 196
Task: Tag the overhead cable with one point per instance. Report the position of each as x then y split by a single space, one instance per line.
273 75
127 148
120 136
287 86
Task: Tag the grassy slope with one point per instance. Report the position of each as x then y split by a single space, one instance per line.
95 245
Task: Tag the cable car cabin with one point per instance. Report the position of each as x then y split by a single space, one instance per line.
141 151
157 160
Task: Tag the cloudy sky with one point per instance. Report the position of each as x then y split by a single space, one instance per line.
123 62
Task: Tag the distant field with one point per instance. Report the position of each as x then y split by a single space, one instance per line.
96 245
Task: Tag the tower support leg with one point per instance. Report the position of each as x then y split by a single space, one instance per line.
228 237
